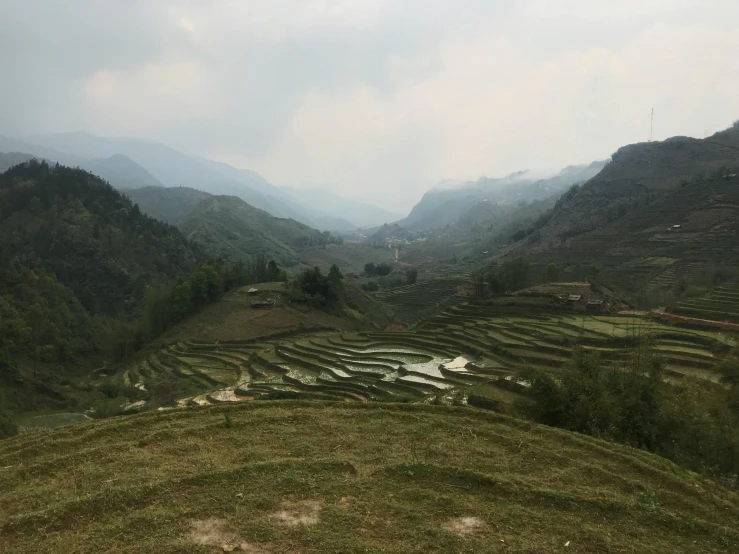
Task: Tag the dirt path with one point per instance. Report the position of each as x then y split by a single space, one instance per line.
724 324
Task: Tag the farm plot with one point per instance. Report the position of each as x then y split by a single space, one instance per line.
493 342
509 340
344 366
720 304
412 302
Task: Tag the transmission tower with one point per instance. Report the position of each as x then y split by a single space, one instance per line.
651 126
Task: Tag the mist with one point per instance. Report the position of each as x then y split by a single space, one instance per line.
379 99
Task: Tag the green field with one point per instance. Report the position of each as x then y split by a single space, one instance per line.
721 304
278 477
494 343
322 365
511 338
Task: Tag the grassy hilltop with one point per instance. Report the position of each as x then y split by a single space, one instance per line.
325 477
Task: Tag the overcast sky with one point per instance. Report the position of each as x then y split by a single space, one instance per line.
373 99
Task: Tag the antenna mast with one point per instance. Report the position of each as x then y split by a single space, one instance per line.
651 126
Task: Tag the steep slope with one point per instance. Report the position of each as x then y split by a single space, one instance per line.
76 260
348 477
658 213
679 234
228 226
640 173
174 168
69 223
169 204
121 172
439 208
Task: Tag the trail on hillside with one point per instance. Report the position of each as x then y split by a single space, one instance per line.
724 324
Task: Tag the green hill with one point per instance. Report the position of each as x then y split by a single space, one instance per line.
312 477
229 227
70 224
658 213
170 204
76 259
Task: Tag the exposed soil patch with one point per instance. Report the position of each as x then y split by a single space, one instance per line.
464 525
214 532
292 514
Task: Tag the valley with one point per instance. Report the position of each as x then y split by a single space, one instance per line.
517 350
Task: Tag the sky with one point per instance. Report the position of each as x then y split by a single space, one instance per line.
376 100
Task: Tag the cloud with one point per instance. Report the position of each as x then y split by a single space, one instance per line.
379 99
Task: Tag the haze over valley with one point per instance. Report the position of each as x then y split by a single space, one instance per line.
369 276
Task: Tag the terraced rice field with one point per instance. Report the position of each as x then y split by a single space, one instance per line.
412 302
338 366
720 304
506 340
444 359
673 274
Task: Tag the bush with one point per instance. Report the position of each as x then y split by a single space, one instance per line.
378 269
694 425
7 427
107 408
111 389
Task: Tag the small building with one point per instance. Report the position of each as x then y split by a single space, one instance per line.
261 304
574 298
594 304
252 291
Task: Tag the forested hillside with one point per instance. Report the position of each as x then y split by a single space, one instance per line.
229 227
170 204
87 279
75 257
70 223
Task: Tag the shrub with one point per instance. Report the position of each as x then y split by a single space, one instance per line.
695 425
107 408
7 427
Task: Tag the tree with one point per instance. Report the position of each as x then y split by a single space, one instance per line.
273 272
516 274
259 263
594 274
335 276
7 427
411 275
552 273
478 283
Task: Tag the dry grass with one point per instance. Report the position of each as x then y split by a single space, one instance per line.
355 477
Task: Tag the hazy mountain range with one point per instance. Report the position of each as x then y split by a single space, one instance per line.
134 163
462 203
